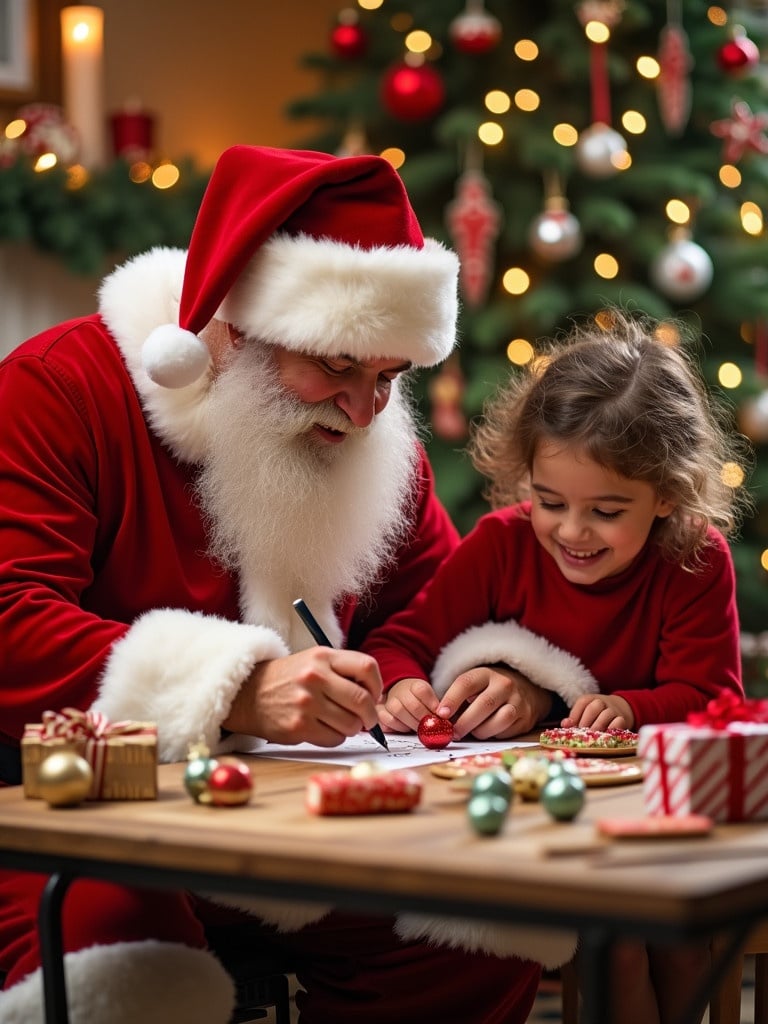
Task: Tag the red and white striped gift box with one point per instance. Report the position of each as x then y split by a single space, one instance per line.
700 769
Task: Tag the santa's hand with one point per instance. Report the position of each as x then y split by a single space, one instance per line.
599 711
320 695
405 704
493 702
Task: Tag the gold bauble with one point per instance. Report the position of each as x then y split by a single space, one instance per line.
64 779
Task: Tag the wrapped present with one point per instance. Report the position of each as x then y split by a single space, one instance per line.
715 763
122 755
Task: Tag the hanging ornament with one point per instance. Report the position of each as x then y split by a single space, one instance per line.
45 131
682 270
555 234
753 418
446 394
675 63
738 55
349 40
742 131
412 91
600 151
474 222
475 31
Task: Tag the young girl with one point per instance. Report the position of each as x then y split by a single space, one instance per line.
611 587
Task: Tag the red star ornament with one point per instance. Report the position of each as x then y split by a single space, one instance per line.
742 131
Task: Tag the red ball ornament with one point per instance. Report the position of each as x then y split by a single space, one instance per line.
349 41
230 783
412 93
435 733
475 32
738 55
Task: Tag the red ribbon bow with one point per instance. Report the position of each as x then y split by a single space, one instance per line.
722 711
71 724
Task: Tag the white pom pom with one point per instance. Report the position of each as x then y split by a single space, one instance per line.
173 357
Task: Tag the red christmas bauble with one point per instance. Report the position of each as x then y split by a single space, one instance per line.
412 93
475 32
349 41
435 733
737 55
230 783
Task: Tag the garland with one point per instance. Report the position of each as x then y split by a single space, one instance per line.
104 218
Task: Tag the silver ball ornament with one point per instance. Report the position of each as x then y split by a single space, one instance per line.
599 151
555 235
682 270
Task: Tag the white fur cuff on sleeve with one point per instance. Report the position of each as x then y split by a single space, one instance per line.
547 666
182 671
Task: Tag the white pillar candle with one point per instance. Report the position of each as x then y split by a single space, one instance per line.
82 31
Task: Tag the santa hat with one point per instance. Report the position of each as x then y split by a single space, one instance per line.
316 253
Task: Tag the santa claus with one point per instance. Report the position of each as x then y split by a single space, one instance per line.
229 433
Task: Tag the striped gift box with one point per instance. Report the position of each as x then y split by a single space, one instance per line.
700 769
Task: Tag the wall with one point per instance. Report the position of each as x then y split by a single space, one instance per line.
214 74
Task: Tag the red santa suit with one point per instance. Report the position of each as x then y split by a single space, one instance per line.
664 638
109 598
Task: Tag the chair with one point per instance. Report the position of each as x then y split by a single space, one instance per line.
725 1003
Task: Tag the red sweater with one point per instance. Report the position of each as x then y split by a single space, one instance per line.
665 639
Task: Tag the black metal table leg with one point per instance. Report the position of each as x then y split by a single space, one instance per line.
52 949
594 968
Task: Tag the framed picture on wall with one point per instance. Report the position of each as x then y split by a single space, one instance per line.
17 48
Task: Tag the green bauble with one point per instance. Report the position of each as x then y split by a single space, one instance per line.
495 780
196 776
563 796
487 813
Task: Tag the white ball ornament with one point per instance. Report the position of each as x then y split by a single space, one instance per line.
753 418
682 270
600 150
555 235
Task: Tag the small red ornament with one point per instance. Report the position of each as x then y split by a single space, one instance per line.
412 93
475 31
474 221
435 733
230 783
348 39
738 55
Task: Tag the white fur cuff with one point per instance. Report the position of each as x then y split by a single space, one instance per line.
182 670
542 945
547 666
151 982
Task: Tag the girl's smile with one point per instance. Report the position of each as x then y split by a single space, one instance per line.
592 521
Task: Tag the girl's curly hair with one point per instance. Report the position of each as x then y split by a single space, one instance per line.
632 404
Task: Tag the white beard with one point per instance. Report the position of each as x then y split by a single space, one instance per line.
296 518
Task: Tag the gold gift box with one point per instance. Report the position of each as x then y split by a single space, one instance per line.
123 756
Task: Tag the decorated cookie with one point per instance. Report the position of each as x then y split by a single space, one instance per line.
593 742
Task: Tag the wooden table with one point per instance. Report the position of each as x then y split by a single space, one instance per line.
536 872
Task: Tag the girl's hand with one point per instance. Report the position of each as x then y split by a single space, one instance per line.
405 704
494 702
598 711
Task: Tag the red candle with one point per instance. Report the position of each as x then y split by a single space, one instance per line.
132 135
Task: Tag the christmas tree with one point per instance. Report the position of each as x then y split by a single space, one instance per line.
576 155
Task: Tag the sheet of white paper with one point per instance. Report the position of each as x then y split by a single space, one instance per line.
404 751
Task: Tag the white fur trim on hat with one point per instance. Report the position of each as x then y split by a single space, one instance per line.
151 982
329 298
542 945
182 671
547 666
173 357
